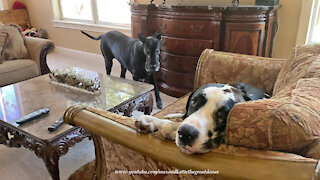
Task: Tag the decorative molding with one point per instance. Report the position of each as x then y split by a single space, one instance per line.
144 104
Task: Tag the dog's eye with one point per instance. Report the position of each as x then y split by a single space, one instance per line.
227 90
221 113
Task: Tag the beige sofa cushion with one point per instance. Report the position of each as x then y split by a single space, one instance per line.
17 70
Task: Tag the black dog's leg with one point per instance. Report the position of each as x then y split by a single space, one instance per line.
156 90
123 72
108 58
108 62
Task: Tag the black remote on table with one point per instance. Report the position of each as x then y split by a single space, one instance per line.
55 125
32 116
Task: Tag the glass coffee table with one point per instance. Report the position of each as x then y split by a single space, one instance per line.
117 95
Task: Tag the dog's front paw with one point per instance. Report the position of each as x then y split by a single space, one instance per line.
146 124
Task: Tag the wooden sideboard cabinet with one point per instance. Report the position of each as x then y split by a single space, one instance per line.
187 30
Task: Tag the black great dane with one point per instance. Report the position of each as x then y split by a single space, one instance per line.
139 56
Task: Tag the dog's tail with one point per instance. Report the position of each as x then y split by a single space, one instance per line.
95 38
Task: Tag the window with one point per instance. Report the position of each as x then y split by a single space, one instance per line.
76 9
101 12
314 29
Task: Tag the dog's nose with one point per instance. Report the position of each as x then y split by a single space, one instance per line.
187 135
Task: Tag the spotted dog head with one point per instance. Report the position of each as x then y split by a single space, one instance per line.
204 122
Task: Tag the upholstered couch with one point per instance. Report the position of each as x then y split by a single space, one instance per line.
275 138
12 71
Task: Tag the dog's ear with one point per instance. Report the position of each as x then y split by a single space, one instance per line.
240 87
187 106
157 35
222 114
142 37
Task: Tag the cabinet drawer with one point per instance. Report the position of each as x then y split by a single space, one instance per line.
183 28
183 64
188 47
181 80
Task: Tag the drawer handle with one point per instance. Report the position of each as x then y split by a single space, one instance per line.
196 48
163 26
196 30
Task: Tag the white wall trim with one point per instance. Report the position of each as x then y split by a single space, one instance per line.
126 29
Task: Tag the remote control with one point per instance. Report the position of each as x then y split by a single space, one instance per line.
55 125
32 116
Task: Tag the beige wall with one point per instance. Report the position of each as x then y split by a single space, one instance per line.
41 15
289 16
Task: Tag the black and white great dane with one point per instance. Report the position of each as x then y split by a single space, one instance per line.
139 56
204 122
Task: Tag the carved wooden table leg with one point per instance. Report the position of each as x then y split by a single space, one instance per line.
143 103
148 104
49 152
51 160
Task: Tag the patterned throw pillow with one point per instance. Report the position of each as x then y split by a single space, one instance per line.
3 38
14 47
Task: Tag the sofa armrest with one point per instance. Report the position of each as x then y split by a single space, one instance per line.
232 167
222 67
38 49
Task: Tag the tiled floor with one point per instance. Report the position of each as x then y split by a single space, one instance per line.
22 164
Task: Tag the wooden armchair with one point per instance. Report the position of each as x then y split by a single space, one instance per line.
253 132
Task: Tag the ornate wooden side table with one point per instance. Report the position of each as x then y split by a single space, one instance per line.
117 95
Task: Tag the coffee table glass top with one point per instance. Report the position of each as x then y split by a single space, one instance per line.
20 99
